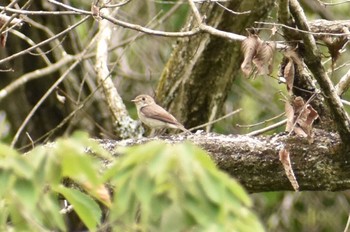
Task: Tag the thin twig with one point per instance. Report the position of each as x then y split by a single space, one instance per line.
30 139
216 120
49 91
347 224
116 5
67 209
260 123
44 42
33 12
32 43
4 92
333 3
343 84
268 128
231 11
303 31
345 102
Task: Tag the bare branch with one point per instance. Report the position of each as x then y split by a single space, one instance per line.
40 12
125 126
49 91
268 128
216 120
333 3
44 42
343 84
4 92
12 22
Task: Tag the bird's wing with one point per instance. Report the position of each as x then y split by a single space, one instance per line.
158 113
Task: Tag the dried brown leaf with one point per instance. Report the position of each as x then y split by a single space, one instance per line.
249 48
290 116
95 10
273 30
3 39
334 46
299 115
298 104
288 74
264 58
292 54
309 115
101 192
284 157
299 131
312 116
300 118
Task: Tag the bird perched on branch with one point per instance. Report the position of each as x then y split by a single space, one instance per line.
154 115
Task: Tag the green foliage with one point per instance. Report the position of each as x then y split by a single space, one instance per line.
176 188
156 186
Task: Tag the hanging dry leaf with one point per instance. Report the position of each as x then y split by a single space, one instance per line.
292 54
249 49
3 39
288 74
284 157
101 192
60 98
273 30
334 46
306 120
290 116
300 118
258 56
298 104
264 58
95 10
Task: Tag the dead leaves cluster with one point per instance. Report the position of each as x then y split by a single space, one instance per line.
335 45
300 118
258 56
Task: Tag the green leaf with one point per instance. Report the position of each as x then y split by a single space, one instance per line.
7 151
50 208
4 214
166 185
20 166
6 180
27 193
76 164
86 208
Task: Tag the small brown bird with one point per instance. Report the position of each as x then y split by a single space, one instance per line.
154 115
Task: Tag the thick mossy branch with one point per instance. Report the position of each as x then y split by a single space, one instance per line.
254 161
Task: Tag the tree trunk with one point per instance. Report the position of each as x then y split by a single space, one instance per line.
202 68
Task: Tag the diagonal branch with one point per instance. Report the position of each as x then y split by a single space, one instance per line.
343 84
313 61
125 126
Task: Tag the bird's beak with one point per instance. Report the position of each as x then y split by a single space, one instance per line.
134 100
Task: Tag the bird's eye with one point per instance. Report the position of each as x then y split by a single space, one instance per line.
143 99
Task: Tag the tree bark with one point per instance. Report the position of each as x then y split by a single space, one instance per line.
201 70
254 161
